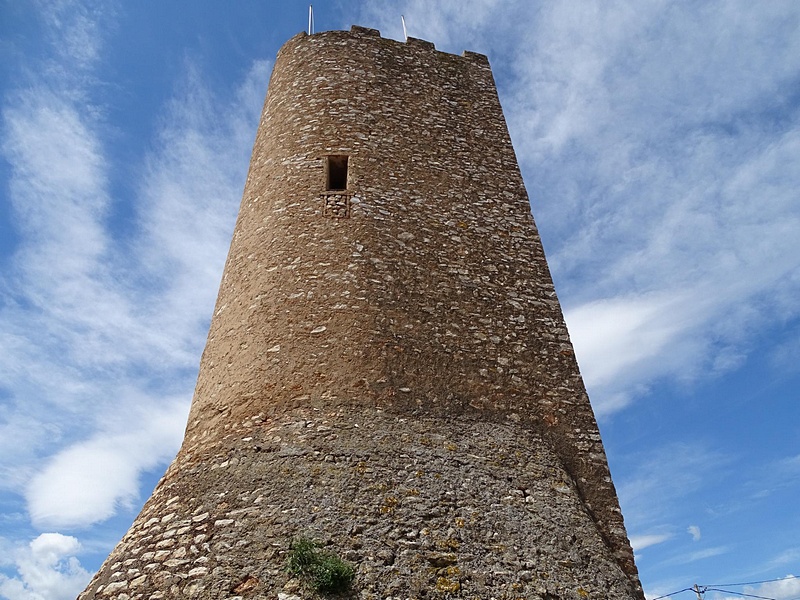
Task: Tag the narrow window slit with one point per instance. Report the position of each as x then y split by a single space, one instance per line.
336 197
337 173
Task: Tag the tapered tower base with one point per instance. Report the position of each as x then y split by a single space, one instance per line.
421 507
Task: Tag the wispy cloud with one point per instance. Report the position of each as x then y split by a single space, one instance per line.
697 555
680 188
96 311
640 542
442 23
662 479
59 198
787 557
779 476
694 531
190 191
75 33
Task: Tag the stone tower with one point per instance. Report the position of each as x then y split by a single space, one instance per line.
388 371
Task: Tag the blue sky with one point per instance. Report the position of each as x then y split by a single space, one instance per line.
660 143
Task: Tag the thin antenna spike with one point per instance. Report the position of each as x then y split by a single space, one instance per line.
405 33
310 19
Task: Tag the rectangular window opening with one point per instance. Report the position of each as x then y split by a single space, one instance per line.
336 176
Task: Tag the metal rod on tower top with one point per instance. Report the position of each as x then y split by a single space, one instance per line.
405 34
310 19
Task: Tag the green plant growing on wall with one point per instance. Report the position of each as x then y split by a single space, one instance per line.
322 570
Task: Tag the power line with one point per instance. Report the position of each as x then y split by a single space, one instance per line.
674 593
715 587
754 582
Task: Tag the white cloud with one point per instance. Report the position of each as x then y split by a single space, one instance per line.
783 589
47 569
75 30
698 555
623 336
787 557
89 480
56 289
97 312
190 194
640 542
786 588
116 336
442 23
694 531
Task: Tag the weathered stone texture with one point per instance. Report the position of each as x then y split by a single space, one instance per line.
388 369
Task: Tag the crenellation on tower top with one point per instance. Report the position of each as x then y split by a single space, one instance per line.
419 43
359 30
476 57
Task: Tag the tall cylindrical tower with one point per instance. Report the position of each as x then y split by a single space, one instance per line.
388 371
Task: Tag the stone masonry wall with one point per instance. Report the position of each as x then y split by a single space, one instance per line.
424 508
414 305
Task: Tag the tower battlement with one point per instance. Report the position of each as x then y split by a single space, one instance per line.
357 31
388 369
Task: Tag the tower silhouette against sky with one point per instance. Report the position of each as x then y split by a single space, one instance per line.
388 371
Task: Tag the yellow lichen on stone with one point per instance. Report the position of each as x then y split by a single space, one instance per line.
389 504
444 584
448 544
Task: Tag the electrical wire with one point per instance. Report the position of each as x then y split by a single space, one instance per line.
754 582
673 593
715 587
